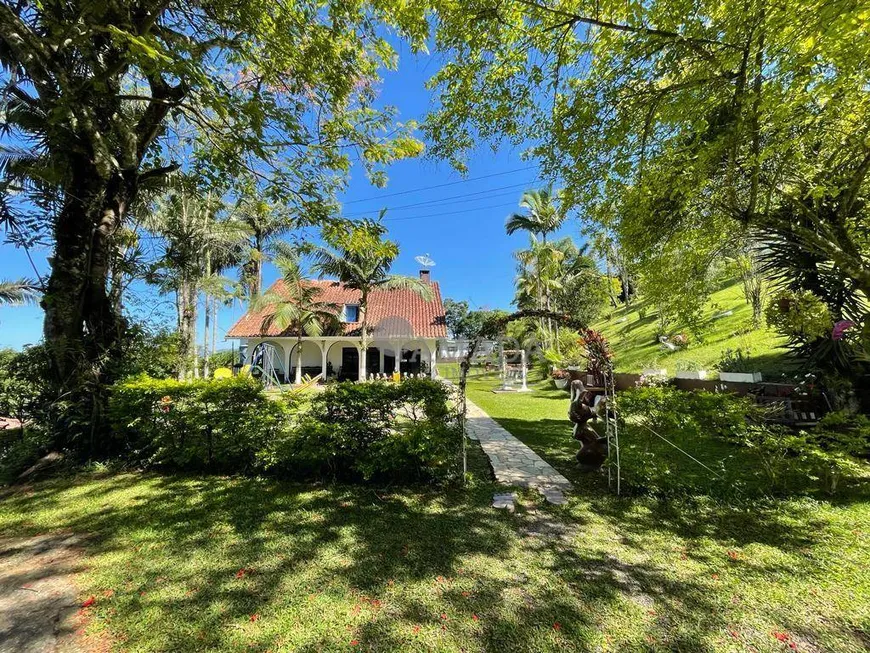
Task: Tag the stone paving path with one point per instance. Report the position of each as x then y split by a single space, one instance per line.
512 461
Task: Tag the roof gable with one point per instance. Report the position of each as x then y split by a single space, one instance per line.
391 313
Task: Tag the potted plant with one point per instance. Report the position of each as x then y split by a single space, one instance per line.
560 378
652 369
689 369
735 367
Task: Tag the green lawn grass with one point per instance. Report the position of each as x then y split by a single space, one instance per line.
633 337
230 564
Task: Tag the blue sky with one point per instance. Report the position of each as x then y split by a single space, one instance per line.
460 224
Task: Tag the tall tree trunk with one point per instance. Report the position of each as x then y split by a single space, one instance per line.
299 359
82 328
193 327
253 269
214 319
207 326
205 335
187 329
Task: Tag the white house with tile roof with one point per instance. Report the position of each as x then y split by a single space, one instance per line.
404 330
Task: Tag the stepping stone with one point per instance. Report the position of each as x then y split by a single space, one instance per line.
504 501
555 496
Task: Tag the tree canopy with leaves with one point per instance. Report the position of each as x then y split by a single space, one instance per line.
663 116
102 100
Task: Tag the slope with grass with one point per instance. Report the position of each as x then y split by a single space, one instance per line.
632 334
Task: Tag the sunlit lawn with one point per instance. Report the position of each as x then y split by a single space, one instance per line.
230 564
227 564
633 337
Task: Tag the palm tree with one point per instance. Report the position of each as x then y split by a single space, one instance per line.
265 224
194 241
543 217
21 291
539 275
297 307
359 256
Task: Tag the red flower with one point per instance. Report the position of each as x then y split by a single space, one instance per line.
255 617
416 629
354 642
466 594
792 646
443 616
783 637
475 617
733 555
714 576
734 634
89 602
557 626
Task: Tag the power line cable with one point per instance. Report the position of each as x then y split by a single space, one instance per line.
450 183
438 215
462 196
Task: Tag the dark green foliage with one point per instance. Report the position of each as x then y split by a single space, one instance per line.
381 431
151 352
746 454
222 358
845 432
376 430
23 396
216 425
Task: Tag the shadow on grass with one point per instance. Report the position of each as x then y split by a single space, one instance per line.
214 563
190 561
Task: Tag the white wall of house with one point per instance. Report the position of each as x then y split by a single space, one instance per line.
457 348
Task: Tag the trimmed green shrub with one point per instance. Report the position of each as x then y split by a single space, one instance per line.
369 431
215 424
376 430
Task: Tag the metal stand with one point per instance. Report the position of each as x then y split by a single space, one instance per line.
506 383
264 358
611 429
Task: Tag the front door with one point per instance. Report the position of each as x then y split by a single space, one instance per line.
349 364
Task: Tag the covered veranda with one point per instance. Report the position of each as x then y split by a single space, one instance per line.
339 356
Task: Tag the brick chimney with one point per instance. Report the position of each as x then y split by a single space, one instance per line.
425 276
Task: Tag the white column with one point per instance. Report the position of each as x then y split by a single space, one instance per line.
381 351
523 359
363 361
323 349
287 348
433 351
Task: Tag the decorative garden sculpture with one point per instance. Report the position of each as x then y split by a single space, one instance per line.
593 448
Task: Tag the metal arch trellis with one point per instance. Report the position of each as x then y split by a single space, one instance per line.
611 429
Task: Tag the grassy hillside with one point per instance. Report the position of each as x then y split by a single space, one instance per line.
633 337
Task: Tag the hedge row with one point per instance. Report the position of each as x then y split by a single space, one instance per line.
382 431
